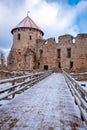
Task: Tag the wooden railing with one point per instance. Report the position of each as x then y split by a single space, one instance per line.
80 95
13 86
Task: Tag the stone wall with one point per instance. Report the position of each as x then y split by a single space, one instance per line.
38 53
46 54
22 54
81 53
76 62
27 38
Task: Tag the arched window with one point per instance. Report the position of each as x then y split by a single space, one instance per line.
19 54
19 36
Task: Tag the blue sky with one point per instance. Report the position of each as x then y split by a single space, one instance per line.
71 2
54 17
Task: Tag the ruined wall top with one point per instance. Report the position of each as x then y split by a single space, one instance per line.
81 36
51 40
68 39
65 39
81 39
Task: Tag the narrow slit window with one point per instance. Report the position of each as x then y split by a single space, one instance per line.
30 37
59 65
41 52
69 52
19 36
71 64
59 53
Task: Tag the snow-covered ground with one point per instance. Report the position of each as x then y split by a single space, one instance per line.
48 105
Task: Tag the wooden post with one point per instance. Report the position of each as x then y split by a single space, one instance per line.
13 83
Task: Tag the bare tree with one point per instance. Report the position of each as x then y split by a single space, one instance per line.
2 58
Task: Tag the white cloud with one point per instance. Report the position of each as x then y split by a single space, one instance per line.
53 18
82 5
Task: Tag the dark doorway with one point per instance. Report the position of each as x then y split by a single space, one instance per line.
45 67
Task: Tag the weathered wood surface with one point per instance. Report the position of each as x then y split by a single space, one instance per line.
17 84
79 94
48 105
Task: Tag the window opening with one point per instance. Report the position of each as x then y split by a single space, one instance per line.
19 53
59 65
59 53
30 37
71 65
41 52
73 40
19 36
68 52
45 67
38 63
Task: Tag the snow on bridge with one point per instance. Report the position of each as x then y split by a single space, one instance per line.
48 105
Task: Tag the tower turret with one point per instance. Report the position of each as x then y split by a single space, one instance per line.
22 54
26 33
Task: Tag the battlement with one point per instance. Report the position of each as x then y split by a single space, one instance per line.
65 39
68 39
66 36
50 41
81 36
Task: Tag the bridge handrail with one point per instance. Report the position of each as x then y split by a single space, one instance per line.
80 95
19 77
79 87
28 80
14 86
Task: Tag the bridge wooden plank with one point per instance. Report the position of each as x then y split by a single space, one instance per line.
48 105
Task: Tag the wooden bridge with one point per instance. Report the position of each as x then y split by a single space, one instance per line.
57 102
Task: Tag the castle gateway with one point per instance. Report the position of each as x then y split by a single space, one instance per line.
31 52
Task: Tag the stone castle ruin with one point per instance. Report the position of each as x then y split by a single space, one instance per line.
31 52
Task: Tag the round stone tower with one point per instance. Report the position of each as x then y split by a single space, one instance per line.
22 54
